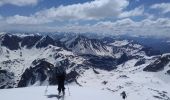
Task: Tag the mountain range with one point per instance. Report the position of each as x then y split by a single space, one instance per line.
108 63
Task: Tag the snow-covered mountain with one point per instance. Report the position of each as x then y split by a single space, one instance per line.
110 64
83 45
27 55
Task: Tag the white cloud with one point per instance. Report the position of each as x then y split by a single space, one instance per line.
96 9
1 17
31 20
149 16
158 27
148 27
164 7
19 2
138 11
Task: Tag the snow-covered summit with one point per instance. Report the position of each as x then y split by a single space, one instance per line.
83 45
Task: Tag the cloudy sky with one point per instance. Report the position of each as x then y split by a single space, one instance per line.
136 17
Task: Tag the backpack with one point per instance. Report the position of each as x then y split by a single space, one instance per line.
59 69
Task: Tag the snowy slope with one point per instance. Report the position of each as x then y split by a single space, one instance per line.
37 93
85 93
137 84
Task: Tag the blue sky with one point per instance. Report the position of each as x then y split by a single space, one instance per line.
136 17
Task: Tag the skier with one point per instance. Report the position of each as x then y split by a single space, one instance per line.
61 79
123 94
60 76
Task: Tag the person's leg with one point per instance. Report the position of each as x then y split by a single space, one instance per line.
63 91
124 97
59 88
63 88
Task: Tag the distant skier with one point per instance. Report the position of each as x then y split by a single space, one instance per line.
123 94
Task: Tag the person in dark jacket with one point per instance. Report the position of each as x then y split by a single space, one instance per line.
60 76
123 94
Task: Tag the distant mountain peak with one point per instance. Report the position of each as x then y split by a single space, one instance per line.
83 45
45 41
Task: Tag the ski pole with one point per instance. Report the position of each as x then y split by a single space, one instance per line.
68 90
46 90
47 81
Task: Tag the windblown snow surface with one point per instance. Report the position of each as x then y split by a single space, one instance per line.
105 85
38 93
138 85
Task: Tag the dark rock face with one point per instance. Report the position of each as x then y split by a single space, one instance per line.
96 72
104 82
34 74
41 70
71 77
30 41
60 44
77 39
101 62
26 77
3 71
108 40
123 76
105 62
11 42
168 72
6 79
158 65
97 44
123 59
140 62
45 41
150 52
